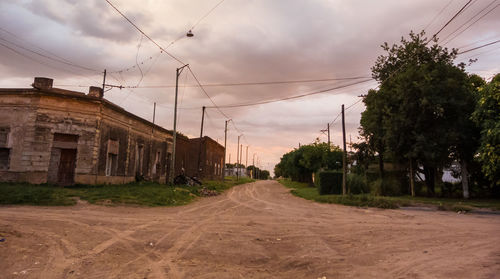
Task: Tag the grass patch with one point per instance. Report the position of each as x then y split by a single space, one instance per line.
20 193
367 200
143 193
221 186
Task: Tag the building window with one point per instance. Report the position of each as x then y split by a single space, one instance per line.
4 136
111 164
157 163
139 155
4 158
112 158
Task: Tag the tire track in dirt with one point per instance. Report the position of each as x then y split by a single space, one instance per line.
257 230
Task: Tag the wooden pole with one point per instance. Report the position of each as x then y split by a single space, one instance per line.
174 132
344 157
225 145
201 138
237 158
328 126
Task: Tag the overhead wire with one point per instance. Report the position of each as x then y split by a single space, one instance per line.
469 26
293 97
437 15
172 42
43 62
206 93
143 33
248 83
48 57
478 47
449 21
57 57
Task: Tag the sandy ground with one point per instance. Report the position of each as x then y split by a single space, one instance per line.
256 230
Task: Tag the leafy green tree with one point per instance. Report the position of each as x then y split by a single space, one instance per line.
264 174
487 117
419 100
372 128
466 134
301 163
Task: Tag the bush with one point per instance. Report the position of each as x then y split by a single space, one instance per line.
451 190
329 182
357 184
387 187
395 183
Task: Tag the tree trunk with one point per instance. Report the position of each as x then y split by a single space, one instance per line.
465 179
412 178
430 173
381 165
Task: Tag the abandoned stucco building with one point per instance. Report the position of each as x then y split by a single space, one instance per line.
56 136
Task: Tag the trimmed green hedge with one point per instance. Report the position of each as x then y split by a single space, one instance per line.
329 182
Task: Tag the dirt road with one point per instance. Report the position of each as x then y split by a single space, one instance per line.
256 230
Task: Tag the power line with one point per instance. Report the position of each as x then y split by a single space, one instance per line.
47 51
245 83
438 14
143 33
172 42
206 15
48 57
449 21
352 105
481 46
478 41
294 97
42 62
205 92
478 13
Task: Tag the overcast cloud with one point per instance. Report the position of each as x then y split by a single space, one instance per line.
240 41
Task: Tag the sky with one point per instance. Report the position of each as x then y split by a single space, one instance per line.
234 42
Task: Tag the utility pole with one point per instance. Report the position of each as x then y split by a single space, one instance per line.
237 157
103 82
201 138
241 156
246 158
344 157
172 165
253 164
225 143
258 171
328 127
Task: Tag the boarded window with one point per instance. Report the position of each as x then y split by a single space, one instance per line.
4 158
139 155
4 136
112 158
111 164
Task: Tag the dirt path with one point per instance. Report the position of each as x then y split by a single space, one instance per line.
256 230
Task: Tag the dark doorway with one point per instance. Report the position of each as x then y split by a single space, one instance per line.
66 170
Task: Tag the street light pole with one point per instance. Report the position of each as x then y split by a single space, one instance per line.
237 158
225 145
174 133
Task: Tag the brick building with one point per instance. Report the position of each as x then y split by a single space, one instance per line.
211 157
51 135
